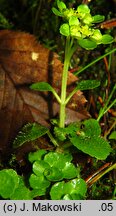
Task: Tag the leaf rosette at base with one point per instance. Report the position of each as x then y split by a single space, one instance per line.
52 166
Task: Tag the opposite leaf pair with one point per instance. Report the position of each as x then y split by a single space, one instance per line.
85 136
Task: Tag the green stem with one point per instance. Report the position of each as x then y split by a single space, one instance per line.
52 139
70 95
93 62
68 54
109 107
108 170
108 132
106 108
97 177
56 96
63 94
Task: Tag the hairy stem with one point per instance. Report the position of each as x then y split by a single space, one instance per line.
64 83
52 139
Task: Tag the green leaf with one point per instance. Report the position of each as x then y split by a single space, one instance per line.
9 181
61 163
60 133
38 192
53 174
72 128
98 18
55 159
61 5
95 147
29 132
96 36
91 127
70 171
69 190
76 186
87 44
56 174
57 191
21 192
54 166
88 19
39 183
64 29
88 140
33 156
107 39
4 23
42 86
39 167
56 12
73 196
83 8
73 21
87 84
113 135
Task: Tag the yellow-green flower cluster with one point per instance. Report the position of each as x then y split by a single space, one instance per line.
79 24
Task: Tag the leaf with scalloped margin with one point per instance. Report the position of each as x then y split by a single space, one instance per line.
89 141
